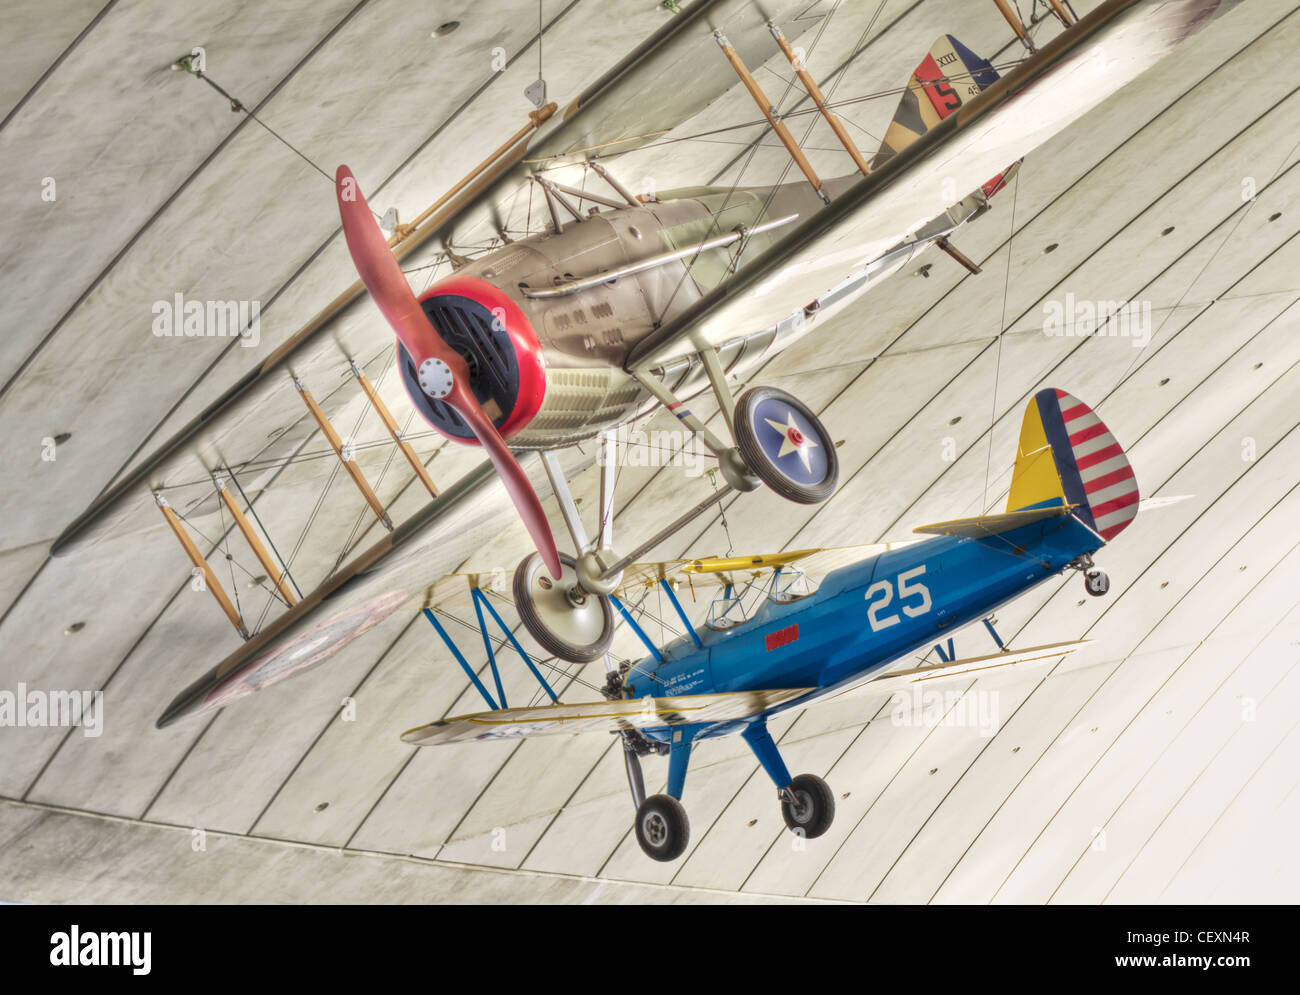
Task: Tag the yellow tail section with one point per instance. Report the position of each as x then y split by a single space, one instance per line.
1068 456
1034 479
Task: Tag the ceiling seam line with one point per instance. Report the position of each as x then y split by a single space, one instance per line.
53 67
171 198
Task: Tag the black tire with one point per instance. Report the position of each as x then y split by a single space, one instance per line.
600 614
662 828
817 806
1096 583
765 467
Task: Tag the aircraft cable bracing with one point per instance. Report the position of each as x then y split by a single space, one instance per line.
1002 328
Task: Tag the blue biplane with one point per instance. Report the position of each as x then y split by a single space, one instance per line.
1072 491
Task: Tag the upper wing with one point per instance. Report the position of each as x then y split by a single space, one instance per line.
734 571
1040 97
601 716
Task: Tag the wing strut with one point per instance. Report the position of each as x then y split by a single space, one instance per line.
1016 25
769 112
818 98
390 423
273 573
200 563
345 456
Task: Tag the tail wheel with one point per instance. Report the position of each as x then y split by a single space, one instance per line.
785 445
808 806
1096 582
564 619
662 828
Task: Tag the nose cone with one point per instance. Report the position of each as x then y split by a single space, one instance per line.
506 362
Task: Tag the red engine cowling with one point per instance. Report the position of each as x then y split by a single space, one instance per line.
507 369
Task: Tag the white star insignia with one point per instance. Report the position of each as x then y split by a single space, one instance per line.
795 441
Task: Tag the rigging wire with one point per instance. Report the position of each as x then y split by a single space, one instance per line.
1002 330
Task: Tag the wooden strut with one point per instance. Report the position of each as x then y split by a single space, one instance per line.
390 423
1063 13
959 256
535 120
815 92
350 465
1014 20
198 559
255 543
769 112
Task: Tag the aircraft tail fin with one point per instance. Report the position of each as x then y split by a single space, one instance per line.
1068 456
949 75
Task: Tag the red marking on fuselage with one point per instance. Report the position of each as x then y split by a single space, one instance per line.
782 637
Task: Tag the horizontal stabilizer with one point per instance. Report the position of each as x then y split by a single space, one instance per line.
976 666
984 526
600 716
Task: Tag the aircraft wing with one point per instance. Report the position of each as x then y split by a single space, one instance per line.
600 716
1067 77
736 571
972 666
407 563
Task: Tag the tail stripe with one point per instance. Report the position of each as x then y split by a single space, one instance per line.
1067 454
1108 480
1095 484
1090 432
1100 456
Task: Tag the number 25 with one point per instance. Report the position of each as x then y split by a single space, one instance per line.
881 593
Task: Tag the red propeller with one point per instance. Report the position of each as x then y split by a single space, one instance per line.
442 371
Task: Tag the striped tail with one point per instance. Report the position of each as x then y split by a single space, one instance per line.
1067 455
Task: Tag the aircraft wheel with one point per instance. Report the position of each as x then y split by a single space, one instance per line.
814 809
563 618
662 828
1096 582
785 445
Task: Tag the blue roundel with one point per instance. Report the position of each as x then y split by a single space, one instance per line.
791 443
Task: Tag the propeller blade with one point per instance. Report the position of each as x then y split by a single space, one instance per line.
383 277
447 377
517 484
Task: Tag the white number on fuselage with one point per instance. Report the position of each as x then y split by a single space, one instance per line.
881 593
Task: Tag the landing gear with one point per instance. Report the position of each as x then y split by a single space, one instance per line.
1096 583
785 445
662 828
779 441
565 619
808 806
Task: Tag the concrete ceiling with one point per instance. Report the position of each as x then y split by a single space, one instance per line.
1158 765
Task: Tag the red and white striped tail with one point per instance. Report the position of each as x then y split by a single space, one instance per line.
1093 466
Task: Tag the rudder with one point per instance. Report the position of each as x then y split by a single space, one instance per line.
950 75
1068 455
